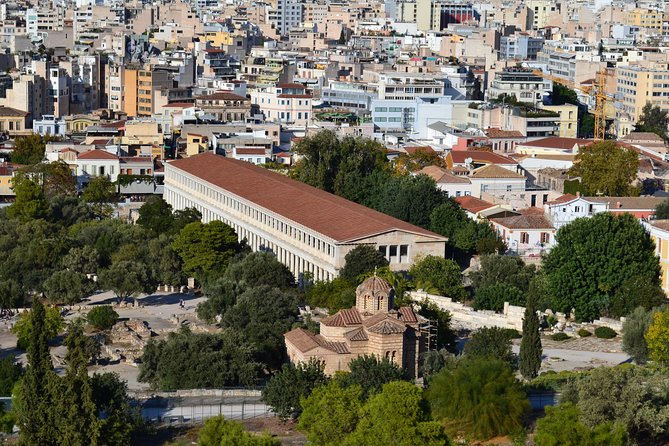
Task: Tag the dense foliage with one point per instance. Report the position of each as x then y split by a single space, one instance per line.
657 336
491 342
479 397
102 317
605 168
218 431
653 119
592 260
292 383
562 427
531 350
434 273
357 169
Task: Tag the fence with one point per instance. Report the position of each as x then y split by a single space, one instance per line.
194 406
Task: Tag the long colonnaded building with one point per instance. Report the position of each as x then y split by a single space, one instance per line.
309 230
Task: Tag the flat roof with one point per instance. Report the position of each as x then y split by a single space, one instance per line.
328 214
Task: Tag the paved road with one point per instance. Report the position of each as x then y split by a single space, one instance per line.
564 359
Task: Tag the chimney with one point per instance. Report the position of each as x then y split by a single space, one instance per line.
578 194
618 205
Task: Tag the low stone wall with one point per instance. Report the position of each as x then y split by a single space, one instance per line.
224 393
511 316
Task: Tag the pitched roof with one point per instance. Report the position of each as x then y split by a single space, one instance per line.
221 96
660 224
343 318
9 111
459 157
305 341
497 133
473 204
388 326
566 198
524 222
622 204
557 142
642 136
97 154
494 171
441 175
333 216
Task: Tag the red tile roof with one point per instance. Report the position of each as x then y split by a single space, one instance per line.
333 216
222 96
566 198
524 222
473 204
556 142
459 157
497 133
97 154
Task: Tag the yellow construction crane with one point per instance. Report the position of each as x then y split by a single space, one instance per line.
597 89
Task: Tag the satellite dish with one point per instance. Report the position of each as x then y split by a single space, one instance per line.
468 160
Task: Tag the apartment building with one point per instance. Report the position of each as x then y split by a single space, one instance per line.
225 106
520 83
520 47
409 86
637 85
286 103
646 18
138 89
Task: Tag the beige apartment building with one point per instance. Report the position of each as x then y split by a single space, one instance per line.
637 85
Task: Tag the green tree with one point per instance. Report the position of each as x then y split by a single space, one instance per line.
36 401
186 360
490 342
446 218
30 149
78 415
440 273
221 295
83 260
657 336
371 373
530 346
29 202
10 373
479 396
11 294
291 384
510 270
100 193
263 315
635 328
410 198
635 292
260 268
584 271
333 295
397 416
206 249
330 413
156 215
127 279
562 427
492 297
606 168
102 317
110 395
653 119
51 324
562 94
336 165
66 286
218 431
662 210
632 396
361 260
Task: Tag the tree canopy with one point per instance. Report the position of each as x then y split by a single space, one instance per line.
653 119
606 168
291 384
360 260
442 275
592 259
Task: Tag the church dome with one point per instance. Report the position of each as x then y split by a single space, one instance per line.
374 286
373 295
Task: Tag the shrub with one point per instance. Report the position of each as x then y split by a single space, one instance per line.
584 333
605 333
103 317
560 336
512 333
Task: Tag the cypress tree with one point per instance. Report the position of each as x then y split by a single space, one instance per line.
530 345
35 409
79 424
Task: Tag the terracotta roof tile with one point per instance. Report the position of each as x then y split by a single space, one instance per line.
524 222
357 335
459 157
622 204
494 171
388 326
497 133
221 96
407 315
328 214
566 198
97 154
473 204
302 339
556 142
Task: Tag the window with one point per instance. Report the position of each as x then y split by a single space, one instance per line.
577 208
545 237
392 257
524 237
404 253
508 188
381 109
